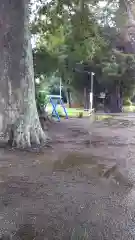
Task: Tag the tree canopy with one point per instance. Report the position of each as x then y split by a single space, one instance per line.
86 35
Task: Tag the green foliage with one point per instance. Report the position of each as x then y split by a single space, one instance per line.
44 61
119 69
127 102
69 33
41 99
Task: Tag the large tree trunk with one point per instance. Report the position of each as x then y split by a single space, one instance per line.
116 100
86 98
69 97
18 112
128 29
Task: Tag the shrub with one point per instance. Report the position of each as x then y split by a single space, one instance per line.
80 114
41 99
127 102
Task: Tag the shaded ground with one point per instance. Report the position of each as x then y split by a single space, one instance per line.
81 187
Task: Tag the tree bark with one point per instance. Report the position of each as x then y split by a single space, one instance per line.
128 30
116 100
69 97
86 98
18 112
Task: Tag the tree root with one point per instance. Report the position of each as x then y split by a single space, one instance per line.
24 134
45 122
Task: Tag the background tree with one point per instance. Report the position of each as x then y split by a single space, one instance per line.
71 33
93 35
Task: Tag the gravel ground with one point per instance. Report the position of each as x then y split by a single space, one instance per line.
81 187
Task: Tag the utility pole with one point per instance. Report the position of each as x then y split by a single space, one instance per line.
91 91
91 88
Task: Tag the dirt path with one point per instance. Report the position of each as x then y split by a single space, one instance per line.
81 187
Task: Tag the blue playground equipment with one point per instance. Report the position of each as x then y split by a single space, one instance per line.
55 100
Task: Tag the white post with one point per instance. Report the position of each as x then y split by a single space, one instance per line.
91 92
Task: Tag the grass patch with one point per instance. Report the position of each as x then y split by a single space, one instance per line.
80 113
102 117
129 109
72 112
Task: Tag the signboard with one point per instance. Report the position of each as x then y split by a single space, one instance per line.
102 95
